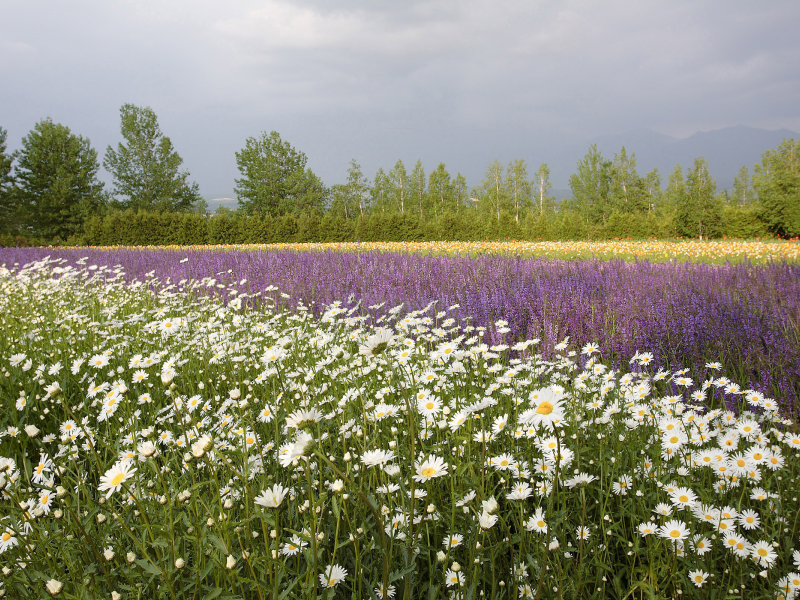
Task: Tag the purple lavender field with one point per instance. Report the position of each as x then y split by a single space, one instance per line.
743 316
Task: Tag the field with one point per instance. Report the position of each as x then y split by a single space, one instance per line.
192 423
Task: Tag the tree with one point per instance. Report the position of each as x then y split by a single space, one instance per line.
381 192
275 180
590 187
542 185
460 192
518 188
777 182
56 174
357 188
417 189
440 188
8 205
699 211
742 192
145 169
399 181
491 192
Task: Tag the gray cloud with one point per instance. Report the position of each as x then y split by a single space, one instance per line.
459 82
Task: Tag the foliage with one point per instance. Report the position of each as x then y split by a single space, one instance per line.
777 182
56 179
146 167
8 206
275 180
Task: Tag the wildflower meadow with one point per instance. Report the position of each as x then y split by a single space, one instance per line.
189 425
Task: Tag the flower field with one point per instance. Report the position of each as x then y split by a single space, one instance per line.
367 425
715 251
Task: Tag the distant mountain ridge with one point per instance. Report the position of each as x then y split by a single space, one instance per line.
726 150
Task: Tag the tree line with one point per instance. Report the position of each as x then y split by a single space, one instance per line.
50 193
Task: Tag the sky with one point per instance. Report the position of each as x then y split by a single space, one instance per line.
460 82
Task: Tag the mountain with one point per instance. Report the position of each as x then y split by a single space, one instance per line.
726 150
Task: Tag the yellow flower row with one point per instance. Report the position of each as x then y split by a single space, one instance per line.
658 250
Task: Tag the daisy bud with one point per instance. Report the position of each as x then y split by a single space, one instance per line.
441 556
116 595
101 518
166 378
228 503
130 557
58 513
32 431
180 563
456 567
60 492
54 587
109 553
274 554
347 457
245 555
235 394
431 508
210 522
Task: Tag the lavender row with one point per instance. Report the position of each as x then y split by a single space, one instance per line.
746 317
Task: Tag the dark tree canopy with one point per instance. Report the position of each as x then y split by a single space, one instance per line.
57 186
146 168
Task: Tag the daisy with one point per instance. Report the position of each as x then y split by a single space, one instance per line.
374 458
429 407
383 594
698 577
663 509
674 530
536 522
293 546
333 575
113 479
582 533
646 529
433 466
99 360
300 419
454 578
749 519
764 553
547 410
453 540
265 416
502 462
737 544
45 501
521 491
683 497
8 539
272 498
701 545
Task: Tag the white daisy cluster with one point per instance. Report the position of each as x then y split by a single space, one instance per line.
159 434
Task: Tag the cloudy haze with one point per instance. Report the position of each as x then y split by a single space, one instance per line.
455 82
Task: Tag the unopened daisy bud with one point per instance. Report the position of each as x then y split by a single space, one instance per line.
101 518
320 536
147 449
235 394
441 556
187 457
273 534
166 378
347 457
130 557
109 553
115 595
180 563
32 430
210 522
231 562
274 554
58 513
456 567
337 486
60 492
245 555
228 503
431 508
54 587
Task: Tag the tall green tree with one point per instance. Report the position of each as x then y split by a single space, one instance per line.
275 180
460 193
518 188
358 191
398 178
777 183
590 187
9 213
57 185
146 167
381 192
417 188
699 210
440 189
541 184
491 192
742 192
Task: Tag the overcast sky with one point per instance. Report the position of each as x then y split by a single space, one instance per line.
460 82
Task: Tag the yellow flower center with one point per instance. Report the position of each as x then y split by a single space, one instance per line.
762 552
545 408
673 439
429 405
683 498
45 498
675 533
250 441
540 524
740 462
428 472
118 478
6 536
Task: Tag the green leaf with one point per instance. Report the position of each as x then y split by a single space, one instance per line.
147 566
213 594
